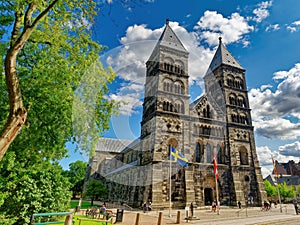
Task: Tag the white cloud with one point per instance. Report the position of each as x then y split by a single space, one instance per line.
276 114
265 154
273 27
277 128
212 25
262 11
294 26
292 149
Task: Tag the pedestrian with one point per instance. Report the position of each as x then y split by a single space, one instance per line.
296 207
239 204
144 207
150 206
213 207
192 209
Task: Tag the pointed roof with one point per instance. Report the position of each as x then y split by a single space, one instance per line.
168 39
223 56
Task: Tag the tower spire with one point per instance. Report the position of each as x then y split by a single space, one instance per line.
220 40
167 21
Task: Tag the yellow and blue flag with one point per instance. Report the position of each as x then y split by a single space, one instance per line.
178 157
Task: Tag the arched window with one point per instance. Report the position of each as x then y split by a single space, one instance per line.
243 155
209 156
232 99
197 153
220 155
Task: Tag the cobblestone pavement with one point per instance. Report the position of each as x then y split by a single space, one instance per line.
227 216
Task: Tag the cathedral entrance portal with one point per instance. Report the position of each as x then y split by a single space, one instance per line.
208 196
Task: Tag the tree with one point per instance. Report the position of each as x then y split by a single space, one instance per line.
285 191
31 189
46 48
270 189
76 175
95 189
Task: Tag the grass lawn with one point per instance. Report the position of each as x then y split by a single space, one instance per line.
84 204
87 222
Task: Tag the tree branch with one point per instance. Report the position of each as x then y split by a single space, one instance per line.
43 14
16 28
28 14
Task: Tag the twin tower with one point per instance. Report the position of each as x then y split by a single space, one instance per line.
217 124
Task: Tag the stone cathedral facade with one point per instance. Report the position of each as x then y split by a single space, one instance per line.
217 124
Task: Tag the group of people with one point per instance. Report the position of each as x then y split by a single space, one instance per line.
147 206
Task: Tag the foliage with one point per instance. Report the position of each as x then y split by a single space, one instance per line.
270 189
76 175
95 189
51 65
285 191
31 188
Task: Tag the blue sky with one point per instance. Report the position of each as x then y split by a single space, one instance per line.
262 35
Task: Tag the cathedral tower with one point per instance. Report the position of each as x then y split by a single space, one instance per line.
225 82
165 112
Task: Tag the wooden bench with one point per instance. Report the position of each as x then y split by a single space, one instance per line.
68 220
95 220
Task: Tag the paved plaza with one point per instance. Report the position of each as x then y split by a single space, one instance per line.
227 216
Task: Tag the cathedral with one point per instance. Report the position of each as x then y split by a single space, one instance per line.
217 125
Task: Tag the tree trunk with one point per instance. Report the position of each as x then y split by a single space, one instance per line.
18 114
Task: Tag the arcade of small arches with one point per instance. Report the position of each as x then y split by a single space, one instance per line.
176 87
206 112
177 107
173 66
237 100
235 82
239 118
208 130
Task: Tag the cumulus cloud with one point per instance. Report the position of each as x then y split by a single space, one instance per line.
292 149
294 26
265 155
262 11
232 29
273 27
276 113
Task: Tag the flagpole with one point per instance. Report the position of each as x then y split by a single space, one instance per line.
217 192
216 180
276 175
170 177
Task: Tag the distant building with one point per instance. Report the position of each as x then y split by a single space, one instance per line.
288 173
289 168
217 124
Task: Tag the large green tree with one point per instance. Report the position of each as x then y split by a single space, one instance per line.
95 189
286 192
27 189
76 175
270 189
50 61
46 49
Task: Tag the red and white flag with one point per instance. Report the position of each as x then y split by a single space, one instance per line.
216 167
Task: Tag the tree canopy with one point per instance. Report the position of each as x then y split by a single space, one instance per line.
95 189
76 175
46 49
49 59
